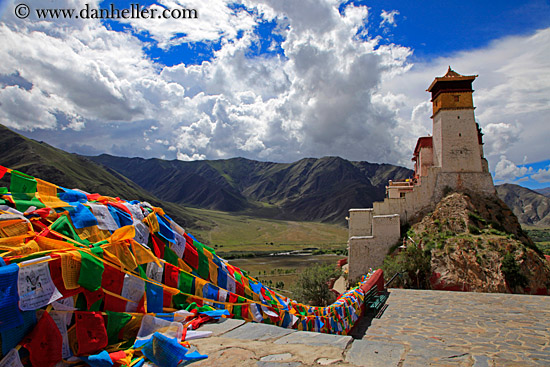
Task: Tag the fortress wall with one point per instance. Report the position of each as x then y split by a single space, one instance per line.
457 141
360 222
366 252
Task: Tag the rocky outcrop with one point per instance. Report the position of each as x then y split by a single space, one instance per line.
477 244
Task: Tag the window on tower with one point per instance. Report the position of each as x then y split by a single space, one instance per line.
457 98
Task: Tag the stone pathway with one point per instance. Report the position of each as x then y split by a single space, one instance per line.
418 328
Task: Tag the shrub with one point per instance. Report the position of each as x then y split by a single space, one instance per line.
312 285
473 229
512 272
413 263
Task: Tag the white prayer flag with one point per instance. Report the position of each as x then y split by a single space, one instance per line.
36 288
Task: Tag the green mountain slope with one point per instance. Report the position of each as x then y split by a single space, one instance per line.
227 231
68 170
310 189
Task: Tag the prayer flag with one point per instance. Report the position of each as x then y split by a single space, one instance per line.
10 316
44 343
90 332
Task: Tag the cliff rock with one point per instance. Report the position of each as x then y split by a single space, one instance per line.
476 244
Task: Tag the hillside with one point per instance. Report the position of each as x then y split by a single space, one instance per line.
311 189
531 208
471 244
73 171
545 191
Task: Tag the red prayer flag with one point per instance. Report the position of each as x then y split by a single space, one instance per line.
44 343
158 246
239 289
93 297
166 298
191 256
113 280
171 275
3 171
115 356
90 332
93 197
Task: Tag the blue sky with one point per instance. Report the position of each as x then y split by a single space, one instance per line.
279 80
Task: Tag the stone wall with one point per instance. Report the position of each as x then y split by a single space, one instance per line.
455 141
366 252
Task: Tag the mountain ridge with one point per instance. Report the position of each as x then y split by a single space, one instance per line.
531 207
311 189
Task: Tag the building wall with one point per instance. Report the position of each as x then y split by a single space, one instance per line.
360 222
457 146
366 252
425 160
449 100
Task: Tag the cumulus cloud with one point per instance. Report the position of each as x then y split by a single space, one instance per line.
542 175
506 170
332 90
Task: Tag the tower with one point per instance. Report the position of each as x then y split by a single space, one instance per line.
457 145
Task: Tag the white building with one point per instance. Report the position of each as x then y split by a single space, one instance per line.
451 160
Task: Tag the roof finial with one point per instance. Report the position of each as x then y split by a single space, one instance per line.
451 73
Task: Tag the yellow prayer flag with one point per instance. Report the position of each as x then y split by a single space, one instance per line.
47 193
70 268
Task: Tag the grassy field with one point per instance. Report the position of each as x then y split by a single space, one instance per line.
541 237
281 272
227 233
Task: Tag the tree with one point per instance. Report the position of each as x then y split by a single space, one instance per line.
414 265
312 285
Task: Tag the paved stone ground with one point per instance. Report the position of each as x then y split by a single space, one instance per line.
418 328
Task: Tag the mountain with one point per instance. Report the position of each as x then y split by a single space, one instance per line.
471 243
531 208
310 189
39 159
545 191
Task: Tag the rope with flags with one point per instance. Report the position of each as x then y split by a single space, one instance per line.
105 281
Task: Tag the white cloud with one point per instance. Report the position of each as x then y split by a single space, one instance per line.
506 170
388 17
215 20
329 94
542 175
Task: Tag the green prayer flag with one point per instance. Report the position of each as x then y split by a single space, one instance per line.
238 277
204 265
22 183
23 191
115 322
81 303
91 272
206 308
191 306
170 256
96 306
186 283
179 301
63 225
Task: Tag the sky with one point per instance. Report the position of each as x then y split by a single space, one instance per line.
277 80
